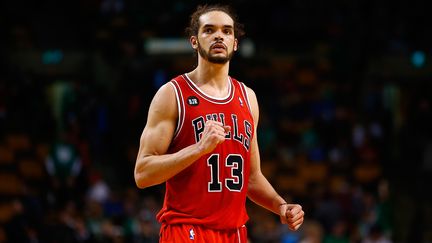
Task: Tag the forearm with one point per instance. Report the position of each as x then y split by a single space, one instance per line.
155 169
261 192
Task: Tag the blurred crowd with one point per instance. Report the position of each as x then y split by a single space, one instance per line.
339 133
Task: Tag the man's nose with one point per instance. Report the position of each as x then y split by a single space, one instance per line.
218 36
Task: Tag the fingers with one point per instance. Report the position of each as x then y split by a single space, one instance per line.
296 225
293 216
294 212
216 128
214 133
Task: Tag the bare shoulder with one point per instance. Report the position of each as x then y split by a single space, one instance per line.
253 102
163 104
250 92
165 91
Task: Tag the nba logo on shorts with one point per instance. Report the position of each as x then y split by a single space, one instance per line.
191 234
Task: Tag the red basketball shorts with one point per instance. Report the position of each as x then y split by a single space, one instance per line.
179 233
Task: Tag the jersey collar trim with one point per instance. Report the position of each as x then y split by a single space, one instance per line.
201 93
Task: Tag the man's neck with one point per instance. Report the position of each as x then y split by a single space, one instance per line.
215 75
212 78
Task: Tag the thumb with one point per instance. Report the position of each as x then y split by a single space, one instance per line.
227 128
282 213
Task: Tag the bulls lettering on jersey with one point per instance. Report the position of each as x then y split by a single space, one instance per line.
211 191
242 137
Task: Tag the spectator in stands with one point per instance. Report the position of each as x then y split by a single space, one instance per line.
63 165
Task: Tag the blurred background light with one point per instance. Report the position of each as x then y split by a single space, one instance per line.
418 59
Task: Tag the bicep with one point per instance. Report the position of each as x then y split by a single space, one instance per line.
161 123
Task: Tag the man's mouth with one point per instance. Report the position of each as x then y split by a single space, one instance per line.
218 47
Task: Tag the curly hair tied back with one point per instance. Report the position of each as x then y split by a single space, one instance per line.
192 29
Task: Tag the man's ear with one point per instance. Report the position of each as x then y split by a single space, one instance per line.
194 42
235 44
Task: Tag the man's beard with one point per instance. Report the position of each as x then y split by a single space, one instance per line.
214 59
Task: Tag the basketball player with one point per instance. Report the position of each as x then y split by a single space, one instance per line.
200 139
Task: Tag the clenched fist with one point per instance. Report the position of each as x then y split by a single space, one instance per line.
213 134
291 215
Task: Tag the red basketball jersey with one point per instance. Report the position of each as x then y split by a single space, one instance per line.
212 191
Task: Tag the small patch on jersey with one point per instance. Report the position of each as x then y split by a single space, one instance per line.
241 101
191 234
193 101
